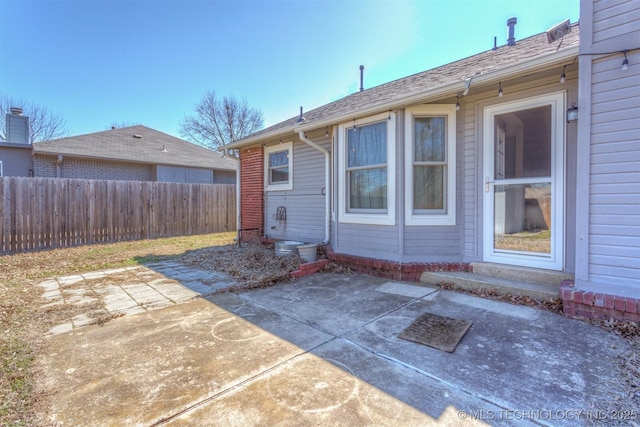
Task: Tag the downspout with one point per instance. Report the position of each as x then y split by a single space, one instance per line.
327 195
59 166
238 178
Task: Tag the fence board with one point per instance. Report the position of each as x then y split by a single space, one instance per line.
40 213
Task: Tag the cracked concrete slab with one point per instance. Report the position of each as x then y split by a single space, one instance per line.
130 290
324 349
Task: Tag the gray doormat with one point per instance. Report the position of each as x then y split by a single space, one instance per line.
443 333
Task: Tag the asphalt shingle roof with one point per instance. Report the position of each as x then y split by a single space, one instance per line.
138 144
458 71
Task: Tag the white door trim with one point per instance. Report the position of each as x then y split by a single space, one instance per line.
554 260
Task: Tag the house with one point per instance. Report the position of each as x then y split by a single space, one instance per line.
523 157
135 153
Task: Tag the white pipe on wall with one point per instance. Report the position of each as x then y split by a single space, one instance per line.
327 193
238 180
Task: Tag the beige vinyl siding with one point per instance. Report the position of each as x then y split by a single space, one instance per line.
305 204
614 196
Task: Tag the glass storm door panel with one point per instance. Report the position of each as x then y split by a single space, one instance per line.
523 147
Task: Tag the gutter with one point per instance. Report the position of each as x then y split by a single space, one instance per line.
238 178
327 195
532 65
448 89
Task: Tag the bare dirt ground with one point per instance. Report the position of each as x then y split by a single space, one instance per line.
24 321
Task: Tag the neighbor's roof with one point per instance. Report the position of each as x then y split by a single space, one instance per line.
529 52
138 144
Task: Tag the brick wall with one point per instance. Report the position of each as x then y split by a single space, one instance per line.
45 166
252 193
593 305
394 270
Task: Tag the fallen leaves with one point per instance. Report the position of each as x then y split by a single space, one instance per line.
251 265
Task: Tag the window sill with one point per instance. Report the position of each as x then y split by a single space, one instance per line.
428 220
279 187
370 219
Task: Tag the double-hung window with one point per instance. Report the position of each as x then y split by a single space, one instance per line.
430 165
278 168
367 170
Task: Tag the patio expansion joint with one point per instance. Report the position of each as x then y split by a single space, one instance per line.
384 356
259 375
152 286
139 304
426 374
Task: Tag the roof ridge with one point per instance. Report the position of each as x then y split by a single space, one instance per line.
483 62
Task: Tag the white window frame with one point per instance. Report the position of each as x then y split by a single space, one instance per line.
448 217
1 168
285 186
375 218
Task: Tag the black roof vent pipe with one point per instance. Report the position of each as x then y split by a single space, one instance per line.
361 78
511 23
301 118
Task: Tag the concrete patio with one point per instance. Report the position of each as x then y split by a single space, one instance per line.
324 349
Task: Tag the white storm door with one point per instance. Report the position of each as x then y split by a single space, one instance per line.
524 182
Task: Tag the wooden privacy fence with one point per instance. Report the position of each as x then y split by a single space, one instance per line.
38 213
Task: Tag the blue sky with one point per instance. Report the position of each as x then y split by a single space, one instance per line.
149 62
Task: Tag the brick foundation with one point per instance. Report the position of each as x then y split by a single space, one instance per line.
252 194
394 270
590 305
309 268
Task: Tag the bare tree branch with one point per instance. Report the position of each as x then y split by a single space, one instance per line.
44 124
217 122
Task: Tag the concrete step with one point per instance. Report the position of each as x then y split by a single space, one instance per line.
524 274
472 281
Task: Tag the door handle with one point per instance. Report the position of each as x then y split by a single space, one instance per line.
486 183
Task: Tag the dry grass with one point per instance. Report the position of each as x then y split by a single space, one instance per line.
23 321
527 241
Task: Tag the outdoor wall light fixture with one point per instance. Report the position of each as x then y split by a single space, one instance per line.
572 113
500 89
625 63
562 77
457 103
